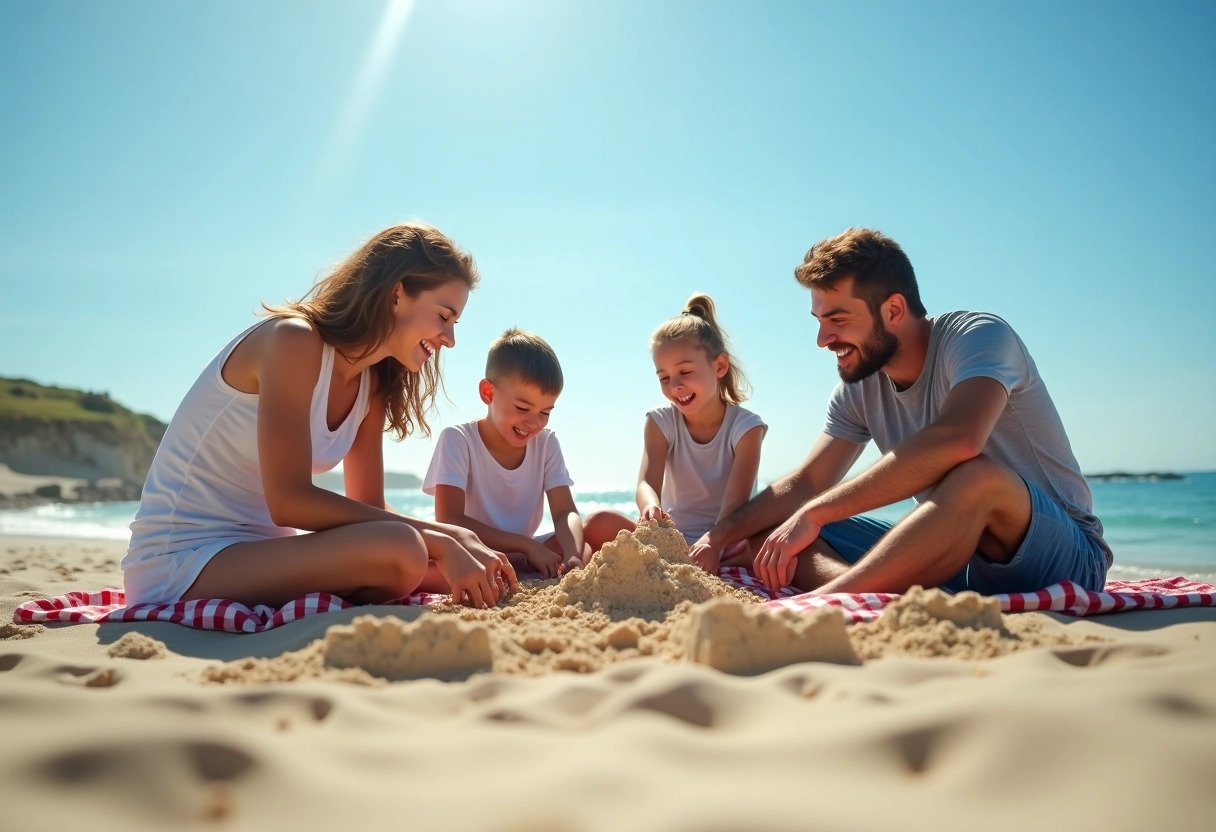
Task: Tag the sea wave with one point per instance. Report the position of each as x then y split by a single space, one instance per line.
1153 530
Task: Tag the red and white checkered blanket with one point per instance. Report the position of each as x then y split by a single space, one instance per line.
108 605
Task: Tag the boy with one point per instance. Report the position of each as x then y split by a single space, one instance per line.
489 476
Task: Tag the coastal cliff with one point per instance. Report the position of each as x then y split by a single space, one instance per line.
63 445
88 445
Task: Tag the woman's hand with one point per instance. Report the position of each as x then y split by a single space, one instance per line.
478 576
499 569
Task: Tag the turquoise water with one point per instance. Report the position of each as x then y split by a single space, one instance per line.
1155 528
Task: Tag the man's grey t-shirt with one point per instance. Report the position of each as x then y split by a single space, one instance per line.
1029 436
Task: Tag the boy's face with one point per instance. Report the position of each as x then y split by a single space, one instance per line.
516 410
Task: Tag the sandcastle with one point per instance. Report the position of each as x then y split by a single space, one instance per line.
639 596
638 574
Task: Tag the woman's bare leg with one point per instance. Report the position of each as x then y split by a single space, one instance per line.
366 562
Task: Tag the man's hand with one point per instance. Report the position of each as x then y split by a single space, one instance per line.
705 554
544 560
653 512
778 556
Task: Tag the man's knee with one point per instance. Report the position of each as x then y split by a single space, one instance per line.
980 481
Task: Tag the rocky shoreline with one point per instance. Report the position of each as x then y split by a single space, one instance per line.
19 491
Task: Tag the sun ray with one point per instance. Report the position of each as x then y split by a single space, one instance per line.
358 105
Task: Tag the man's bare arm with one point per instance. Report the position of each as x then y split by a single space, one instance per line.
968 416
827 463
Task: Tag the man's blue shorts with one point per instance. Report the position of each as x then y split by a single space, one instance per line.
1055 549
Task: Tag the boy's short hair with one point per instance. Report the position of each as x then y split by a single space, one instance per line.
527 357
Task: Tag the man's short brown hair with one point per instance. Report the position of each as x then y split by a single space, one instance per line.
876 263
525 357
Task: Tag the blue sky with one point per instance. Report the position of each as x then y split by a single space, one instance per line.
167 166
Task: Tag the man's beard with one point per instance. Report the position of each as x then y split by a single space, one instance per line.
875 353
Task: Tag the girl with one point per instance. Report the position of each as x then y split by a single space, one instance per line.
702 451
314 385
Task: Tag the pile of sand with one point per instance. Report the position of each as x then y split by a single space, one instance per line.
746 640
135 645
929 622
641 575
639 596
391 649
16 632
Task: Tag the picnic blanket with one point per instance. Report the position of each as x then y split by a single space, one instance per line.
109 605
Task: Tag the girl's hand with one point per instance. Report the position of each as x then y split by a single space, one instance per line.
544 560
571 563
654 512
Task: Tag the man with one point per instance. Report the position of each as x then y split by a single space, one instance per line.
965 425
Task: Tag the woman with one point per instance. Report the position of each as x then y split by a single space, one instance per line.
314 385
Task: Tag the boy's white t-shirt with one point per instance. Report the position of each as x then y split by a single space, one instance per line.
695 475
509 500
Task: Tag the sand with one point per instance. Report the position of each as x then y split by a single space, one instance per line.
713 715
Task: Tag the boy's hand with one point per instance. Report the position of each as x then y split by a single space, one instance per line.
544 560
653 512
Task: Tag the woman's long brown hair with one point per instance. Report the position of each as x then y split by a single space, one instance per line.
351 308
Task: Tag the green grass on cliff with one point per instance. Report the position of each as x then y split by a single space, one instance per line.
21 397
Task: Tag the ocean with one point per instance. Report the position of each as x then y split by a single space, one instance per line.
1161 527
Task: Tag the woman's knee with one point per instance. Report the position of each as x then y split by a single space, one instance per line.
397 548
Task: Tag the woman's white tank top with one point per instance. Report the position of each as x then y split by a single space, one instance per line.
205 482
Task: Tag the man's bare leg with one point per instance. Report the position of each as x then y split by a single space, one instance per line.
816 564
981 505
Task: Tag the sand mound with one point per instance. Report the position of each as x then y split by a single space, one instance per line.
135 645
639 596
664 537
640 574
930 622
632 600
16 632
733 638
442 648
